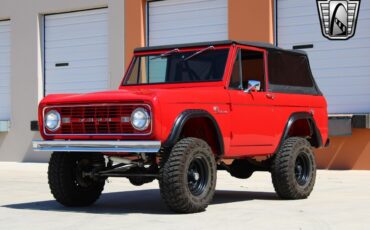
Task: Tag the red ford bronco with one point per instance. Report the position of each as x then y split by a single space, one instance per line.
183 112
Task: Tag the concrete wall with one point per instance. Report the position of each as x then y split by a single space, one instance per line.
27 69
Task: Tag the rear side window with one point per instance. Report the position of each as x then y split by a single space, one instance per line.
290 72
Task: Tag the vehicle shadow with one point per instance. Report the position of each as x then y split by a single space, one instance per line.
140 201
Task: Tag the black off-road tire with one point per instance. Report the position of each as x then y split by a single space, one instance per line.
180 188
293 169
66 182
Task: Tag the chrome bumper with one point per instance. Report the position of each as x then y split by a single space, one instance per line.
97 146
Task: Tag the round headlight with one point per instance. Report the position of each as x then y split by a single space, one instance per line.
52 120
140 119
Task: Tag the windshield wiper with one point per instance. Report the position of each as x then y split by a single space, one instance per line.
166 54
199 52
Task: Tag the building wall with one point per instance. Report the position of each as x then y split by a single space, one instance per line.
27 69
135 27
346 152
247 19
251 20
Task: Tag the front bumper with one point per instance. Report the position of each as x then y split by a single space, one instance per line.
97 146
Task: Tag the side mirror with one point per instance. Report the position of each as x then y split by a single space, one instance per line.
253 86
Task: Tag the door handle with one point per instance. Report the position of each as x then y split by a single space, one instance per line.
270 96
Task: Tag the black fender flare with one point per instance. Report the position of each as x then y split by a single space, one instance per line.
181 121
314 131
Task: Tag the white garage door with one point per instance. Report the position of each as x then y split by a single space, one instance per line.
186 21
76 52
341 68
4 70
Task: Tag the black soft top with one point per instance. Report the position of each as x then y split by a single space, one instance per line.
289 70
263 45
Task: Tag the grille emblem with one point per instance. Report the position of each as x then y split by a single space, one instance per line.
98 119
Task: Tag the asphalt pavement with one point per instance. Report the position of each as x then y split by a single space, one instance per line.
340 200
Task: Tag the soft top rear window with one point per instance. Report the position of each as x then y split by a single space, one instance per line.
290 72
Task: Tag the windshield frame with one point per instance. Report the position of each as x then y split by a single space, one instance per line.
181 50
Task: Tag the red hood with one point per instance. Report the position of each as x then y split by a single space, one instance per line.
166 95
100 97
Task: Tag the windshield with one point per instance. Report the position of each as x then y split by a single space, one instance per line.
178 67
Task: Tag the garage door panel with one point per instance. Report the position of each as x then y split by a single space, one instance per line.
4 41
356 80
98 40
4 63
359 51
4 87
340 63
186 31
288 4
65 75
5 27
83 71
5 44
185 21
81 40
75 80
77 91
74 87
88 71
184 14
66 26
75 32
296 13
292 39
79 52
77 17
344 98
342 87
341 68
189 22
344 72
354 107
189 38
299 27
75 28
78 63
176 6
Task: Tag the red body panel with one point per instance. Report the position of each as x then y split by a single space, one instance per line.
251 123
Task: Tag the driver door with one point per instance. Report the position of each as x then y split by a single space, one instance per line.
252 118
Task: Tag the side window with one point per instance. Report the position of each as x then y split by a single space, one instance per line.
289 69
253 67
249 65
134 73
235 81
